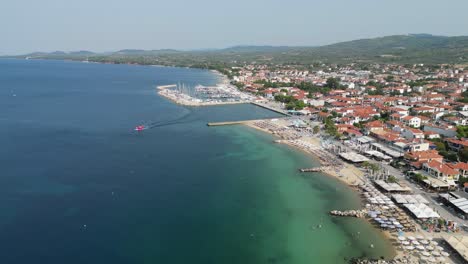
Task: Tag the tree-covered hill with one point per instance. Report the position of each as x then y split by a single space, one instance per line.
414 48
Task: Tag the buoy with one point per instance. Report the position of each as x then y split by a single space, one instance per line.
371 245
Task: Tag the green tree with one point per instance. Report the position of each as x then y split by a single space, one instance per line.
440 146
463 155
316 129
300 105
392 179
330 127
333 83
462 131
290 106
390 78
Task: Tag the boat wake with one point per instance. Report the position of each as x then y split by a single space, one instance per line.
183 119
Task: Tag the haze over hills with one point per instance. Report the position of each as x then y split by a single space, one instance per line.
413 48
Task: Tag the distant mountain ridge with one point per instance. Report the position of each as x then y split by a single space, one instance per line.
411 48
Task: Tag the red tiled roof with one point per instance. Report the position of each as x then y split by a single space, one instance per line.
441 167
460 166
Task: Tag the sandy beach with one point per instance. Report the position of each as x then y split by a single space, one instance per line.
346 173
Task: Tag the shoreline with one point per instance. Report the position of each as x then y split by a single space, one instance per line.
350 182
347 168
353 178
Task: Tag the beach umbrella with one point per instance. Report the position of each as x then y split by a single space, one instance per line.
411 238
424 242
410 247
395 223
401 238
435 253
415 242
406 243
434 243
431 259
445 254
429 248
425 253
420 247
440 248
419 237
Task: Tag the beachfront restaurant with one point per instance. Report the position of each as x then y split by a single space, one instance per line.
365 140
409 199
421 211
391 187
353 157
458 203
459 244
436 184
378 155
388 151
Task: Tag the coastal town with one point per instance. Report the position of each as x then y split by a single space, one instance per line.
395 133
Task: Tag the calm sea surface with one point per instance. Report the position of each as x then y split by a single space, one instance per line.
77 185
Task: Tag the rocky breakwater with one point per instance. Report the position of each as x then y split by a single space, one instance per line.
349 213
381 261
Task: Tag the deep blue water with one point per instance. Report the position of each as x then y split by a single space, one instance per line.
70 158
77 185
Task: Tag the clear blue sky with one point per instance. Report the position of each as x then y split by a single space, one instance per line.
108 25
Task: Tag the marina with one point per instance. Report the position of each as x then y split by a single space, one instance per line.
199 95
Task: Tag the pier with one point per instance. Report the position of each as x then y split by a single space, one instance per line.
238 122
166 86
279 111
227 123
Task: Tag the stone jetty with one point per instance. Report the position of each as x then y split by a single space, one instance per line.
381 261
350 213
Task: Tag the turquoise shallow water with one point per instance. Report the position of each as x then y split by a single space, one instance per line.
79 186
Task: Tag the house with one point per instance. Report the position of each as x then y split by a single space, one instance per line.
417 158
400 111
424 109
441 171
456 144
417 145
411 121
412 133
431 134
462 168
374 126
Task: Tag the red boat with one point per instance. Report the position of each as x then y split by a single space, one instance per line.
140 128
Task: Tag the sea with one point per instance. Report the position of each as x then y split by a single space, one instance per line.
79 185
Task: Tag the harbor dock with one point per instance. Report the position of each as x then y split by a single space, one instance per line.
276 110
227 123
166 86
238 122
